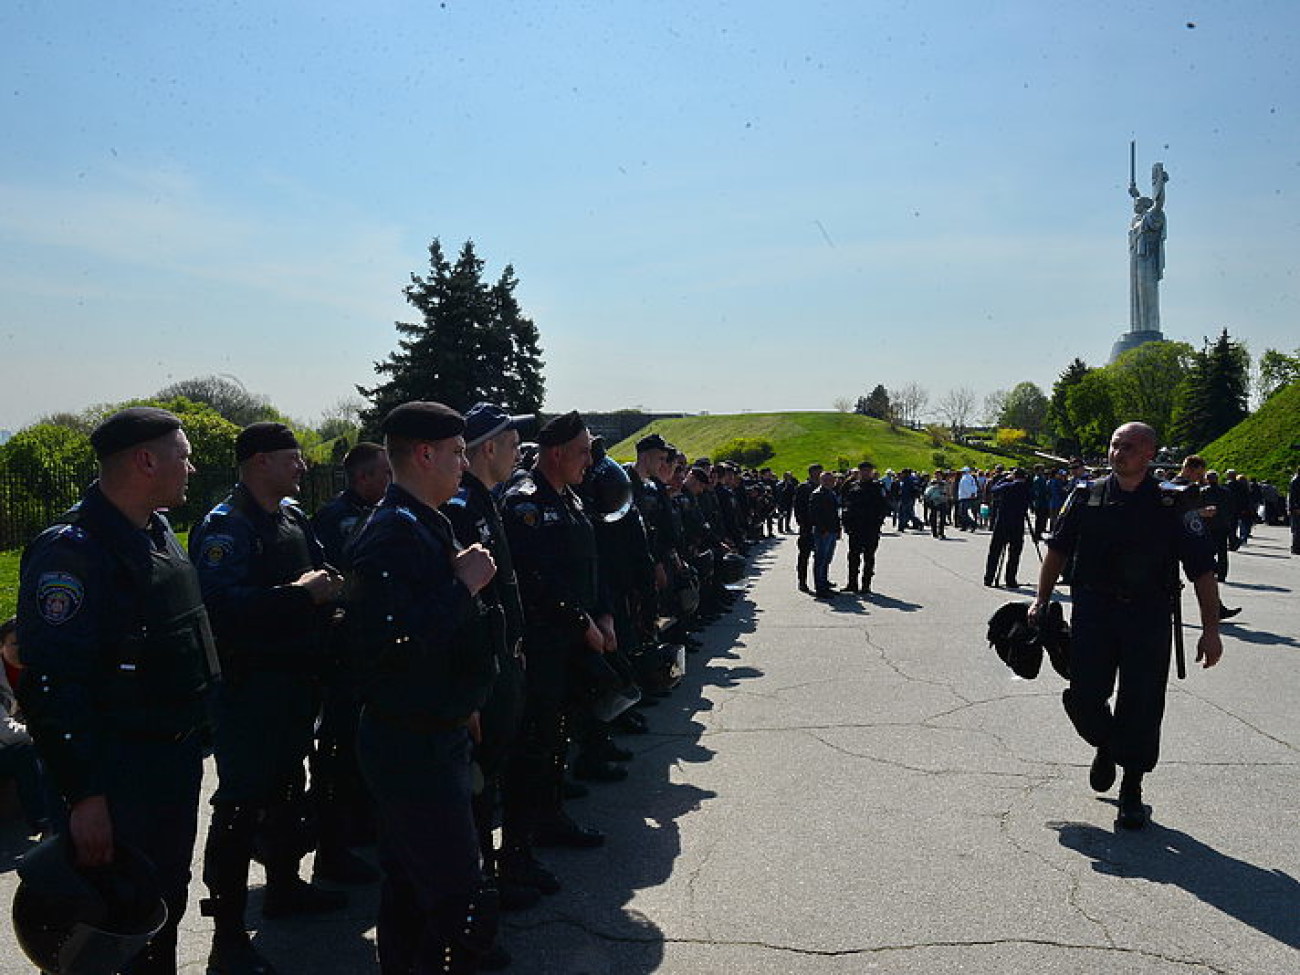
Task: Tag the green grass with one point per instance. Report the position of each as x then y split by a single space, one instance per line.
9 583
801 439
1266 444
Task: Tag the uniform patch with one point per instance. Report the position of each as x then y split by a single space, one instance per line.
1193 522
216 549
528 514
550 516
58 596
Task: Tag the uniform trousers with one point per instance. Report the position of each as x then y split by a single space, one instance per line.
1124 640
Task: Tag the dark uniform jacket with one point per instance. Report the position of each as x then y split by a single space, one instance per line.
1127 544
474 517
247 559
428 647
865 506
337 521
115 640
554 549
824 511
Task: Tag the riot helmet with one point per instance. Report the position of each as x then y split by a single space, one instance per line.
74 920
607 487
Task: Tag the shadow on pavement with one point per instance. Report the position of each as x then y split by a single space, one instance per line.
1259 637
590 927
1267 900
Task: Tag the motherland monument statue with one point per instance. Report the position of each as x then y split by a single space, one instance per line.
1146 258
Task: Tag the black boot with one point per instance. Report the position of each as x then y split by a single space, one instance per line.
1132 813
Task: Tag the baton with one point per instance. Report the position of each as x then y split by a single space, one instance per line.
1180 659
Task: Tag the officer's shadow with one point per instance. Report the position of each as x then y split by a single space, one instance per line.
881 601
336 942
1267 900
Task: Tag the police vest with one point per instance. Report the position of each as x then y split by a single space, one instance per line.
161 659
1127 541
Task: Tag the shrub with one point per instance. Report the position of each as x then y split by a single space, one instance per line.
749 451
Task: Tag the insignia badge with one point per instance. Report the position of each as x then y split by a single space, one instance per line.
484 533
216 549
550 516
528 514
1193 522
59 595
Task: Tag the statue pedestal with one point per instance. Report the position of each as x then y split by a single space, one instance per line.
1131 340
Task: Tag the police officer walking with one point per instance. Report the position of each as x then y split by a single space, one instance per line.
1010 503
1123 538
271 598
119 656
431 647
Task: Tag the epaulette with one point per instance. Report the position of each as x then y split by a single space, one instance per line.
461 498
72 533
406 513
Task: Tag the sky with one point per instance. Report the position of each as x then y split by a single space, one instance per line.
721 207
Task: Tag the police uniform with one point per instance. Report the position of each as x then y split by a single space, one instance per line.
118 659
474 517
555 556
1122 551
430 652
272 639
865 510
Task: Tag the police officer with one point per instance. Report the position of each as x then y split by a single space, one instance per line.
865 509
1123 538
1010 499
801 495
430 650
568 621
492 450
119 657
270 596
342 810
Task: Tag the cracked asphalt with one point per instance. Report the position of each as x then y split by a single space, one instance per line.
861 786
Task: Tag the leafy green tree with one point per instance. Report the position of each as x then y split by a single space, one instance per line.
472 343
1145 382
749 451
1090 410
1212 399
1277 370
225 395
1064 437
1025 408
211 435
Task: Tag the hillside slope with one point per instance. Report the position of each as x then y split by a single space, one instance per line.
800 439
1266 444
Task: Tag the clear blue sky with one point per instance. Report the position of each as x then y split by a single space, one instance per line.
710 206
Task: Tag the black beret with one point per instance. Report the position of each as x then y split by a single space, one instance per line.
423 420
651 442
561 430
261 438
129 427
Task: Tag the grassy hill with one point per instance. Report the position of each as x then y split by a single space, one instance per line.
1266 444
800 439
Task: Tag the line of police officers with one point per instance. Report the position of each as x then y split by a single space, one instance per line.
433 644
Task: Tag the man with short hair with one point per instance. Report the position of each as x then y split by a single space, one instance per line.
1123 538
1011 509
271 598
118 661
430 653
824 516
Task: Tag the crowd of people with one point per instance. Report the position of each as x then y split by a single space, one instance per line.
442 655
432 663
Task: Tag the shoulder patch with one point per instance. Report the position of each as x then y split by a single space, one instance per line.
461 498
72 533
528 513
58 596
216 549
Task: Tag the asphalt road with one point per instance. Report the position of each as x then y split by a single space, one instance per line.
861 786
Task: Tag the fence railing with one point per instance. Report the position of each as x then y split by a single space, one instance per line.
30 500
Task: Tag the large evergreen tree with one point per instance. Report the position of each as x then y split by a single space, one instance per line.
1059 423
472 343
1212 399
877 403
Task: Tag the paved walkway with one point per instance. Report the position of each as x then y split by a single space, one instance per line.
861 786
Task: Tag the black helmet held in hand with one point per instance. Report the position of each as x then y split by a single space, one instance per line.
1015 641
607 489
73 920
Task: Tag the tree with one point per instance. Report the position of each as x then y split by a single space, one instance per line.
472 343
211 435
877 403
1090 406
860 406
226 395
1277 370
1212 399
994 403
957 406
908 401
842 404
1065 438
749 451
1025 408
1145 382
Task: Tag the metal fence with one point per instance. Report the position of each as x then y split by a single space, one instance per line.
30 500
